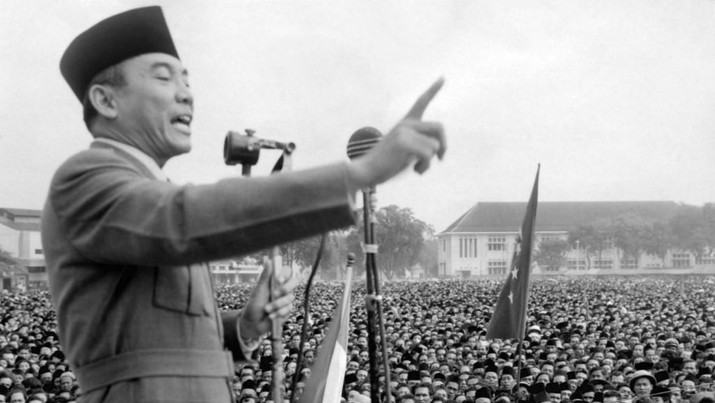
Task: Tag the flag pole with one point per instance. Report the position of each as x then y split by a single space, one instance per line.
508 320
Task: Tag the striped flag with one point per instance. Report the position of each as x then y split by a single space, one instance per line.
509 318
328 371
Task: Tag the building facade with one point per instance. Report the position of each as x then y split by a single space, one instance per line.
229 272
481 242
20 237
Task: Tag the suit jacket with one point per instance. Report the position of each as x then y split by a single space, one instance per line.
136 312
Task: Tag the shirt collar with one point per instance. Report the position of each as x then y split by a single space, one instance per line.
144 159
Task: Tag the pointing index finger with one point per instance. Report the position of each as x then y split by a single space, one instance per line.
418 109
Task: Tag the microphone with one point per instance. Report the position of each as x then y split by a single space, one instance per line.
362 141
244 148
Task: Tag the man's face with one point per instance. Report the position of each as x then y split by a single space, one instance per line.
66 383
361 375
441 393
491 379
548 369
452 389
688 388
690 367
155 106
6 381
642 387
422 395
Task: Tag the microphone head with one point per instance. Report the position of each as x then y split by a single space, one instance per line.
351 259
362 141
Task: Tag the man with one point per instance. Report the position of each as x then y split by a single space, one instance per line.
642 383
423 393
124 247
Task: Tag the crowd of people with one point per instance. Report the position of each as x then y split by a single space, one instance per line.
588 340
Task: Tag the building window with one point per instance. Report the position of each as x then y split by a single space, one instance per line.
629 263
576 264
495 267
38 251
467 247
548 238
681 260
603 264
496 243
705 259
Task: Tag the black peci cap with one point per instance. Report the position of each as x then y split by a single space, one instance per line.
113 40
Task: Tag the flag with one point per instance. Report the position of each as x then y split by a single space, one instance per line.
509 318
328 371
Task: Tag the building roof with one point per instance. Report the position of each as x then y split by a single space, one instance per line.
29 220
20 212
556 216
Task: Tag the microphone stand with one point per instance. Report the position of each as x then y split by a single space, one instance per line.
373 301
277 279
284 164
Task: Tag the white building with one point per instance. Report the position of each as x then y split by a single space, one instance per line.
226 272
481 241
20 236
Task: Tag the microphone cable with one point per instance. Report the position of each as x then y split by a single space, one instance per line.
306 312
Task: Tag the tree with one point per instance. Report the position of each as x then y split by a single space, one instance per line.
629 236
7 258
551 254
428 257
693 229
592 239
400 238
658 240
304 252
7 261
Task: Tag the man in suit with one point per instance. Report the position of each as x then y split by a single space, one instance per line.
125 247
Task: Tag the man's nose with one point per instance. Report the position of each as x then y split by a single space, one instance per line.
184 94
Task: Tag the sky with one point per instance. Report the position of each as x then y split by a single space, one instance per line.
615 99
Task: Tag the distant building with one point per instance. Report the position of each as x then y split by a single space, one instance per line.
227 272
20 236
481 241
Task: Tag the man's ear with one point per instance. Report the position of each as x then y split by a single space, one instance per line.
103 100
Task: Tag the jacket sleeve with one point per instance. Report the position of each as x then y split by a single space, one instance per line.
114 214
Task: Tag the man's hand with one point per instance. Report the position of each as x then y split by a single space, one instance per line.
410 140
255 320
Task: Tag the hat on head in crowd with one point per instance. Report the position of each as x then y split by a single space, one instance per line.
553 388
661 376
350 378
644 366
541 397
642 374
483 393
